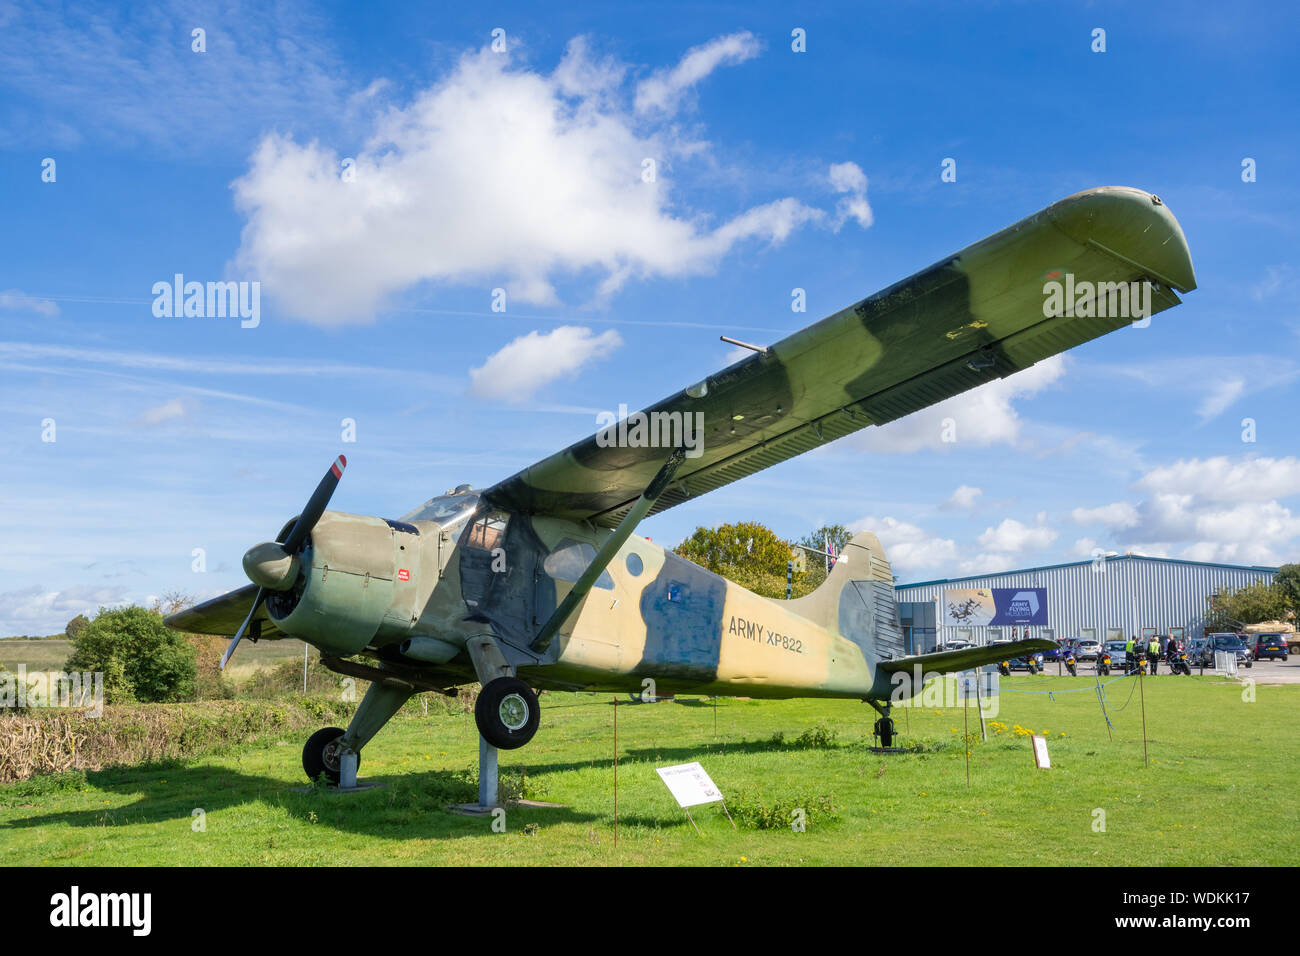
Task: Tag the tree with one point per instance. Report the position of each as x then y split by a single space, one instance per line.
73 627
1252 604
837 534
749 553
140 657
1287 582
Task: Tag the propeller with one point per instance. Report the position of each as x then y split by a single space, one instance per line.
273 565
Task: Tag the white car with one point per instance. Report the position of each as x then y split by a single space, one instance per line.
1088 650
958 645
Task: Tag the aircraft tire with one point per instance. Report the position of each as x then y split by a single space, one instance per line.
314 760
507 713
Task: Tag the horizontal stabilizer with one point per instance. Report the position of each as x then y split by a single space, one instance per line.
946 662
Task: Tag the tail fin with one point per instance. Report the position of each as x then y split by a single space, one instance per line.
857 600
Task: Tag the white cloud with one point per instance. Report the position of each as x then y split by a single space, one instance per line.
1223 479
662 91
1013 537
167 411
1084 548
527 363
126 74
962 499
497 175
14 300
1215 509
1222 393
907 546
849 178
982 416
36 610
1120 514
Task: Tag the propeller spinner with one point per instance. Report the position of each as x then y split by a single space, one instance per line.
273 565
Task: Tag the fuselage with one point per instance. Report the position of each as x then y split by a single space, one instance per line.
455 568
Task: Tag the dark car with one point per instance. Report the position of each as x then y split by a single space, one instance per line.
1222 641
1270 646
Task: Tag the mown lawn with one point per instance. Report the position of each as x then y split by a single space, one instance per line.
1220 789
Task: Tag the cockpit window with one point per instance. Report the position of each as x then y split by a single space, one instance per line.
488 531
570 559
448 511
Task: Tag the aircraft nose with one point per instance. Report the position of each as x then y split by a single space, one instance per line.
267 564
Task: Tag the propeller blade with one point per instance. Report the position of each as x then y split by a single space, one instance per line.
239 635
315 506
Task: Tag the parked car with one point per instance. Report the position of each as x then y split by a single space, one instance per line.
1270 646
1117 652
1202 651
956 645
1087 649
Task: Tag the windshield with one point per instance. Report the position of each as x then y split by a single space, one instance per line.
1227 643
447 510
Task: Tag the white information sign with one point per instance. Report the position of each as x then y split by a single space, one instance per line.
689 784
1040 753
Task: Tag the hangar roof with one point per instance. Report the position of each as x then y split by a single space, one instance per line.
1071 564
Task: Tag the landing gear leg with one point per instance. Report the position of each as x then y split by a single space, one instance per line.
326 749
507 713
884 727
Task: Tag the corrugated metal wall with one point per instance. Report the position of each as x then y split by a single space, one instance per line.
1128 592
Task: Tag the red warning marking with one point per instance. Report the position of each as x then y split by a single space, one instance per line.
403 574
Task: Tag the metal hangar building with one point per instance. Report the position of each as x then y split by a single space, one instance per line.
1107 598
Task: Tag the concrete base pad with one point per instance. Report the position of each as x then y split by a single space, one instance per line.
478 810
357 789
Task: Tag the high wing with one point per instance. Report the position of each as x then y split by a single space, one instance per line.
971 318
223 615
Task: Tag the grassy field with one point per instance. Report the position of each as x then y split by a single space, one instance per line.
50 655
1220 789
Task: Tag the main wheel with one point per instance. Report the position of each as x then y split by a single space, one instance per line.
320 755
507 713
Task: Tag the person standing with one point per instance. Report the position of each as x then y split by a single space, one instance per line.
1153 653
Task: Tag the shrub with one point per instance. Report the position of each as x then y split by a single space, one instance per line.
140 657
778 813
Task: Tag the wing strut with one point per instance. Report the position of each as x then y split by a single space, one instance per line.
607 551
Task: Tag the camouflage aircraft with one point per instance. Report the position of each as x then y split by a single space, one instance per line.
540 582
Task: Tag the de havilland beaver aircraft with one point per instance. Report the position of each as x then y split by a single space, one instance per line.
539 581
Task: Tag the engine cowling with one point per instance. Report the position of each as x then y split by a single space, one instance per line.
357 584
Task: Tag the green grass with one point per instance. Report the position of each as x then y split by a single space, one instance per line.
1220 789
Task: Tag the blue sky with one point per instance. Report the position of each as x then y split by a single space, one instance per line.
475 169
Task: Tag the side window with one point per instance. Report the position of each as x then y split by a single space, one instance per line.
488 531
570 559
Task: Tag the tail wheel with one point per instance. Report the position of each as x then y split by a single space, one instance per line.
507 713
320 755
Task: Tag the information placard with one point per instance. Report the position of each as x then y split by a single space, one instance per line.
1040 753
689 784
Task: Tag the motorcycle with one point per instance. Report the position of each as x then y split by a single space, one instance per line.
1070 665
1178 664
1005 668
1103 663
